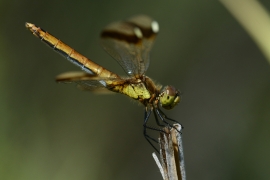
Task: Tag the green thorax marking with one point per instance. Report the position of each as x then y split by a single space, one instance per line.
134 89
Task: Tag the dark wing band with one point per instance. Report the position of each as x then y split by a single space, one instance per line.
129 42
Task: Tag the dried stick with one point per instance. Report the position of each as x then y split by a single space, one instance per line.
171 164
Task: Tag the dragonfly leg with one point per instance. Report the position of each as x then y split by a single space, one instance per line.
161 124
147 114
163 118
166 117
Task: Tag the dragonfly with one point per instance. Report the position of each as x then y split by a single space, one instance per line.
129 43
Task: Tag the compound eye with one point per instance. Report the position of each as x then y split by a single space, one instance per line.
169 97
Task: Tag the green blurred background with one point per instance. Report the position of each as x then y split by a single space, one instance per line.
57 132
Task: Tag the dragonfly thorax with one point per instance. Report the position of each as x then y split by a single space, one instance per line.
169 97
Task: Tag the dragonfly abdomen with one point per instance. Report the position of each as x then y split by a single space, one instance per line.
69 53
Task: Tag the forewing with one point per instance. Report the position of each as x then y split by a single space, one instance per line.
129 42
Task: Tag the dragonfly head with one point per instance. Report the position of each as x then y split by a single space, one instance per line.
169 97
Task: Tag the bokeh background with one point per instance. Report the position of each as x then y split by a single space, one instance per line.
57 132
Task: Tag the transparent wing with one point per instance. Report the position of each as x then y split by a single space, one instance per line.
86 81
130 41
